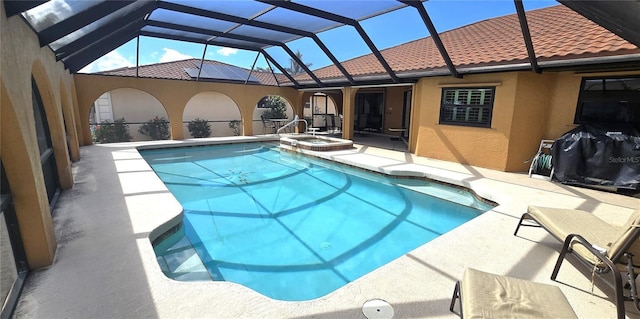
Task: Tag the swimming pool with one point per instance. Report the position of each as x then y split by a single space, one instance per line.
293 227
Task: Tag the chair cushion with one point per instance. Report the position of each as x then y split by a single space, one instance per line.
485 295
563 222
627 232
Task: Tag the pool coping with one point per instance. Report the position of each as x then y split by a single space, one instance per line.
297 142
118 204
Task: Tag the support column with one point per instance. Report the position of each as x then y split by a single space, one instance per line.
247 121
175 124
348 111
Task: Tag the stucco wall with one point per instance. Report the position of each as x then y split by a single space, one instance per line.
135 106
21 57
528 108
531 109
212 106
486 147
174 96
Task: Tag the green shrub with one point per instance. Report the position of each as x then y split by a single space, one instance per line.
276 107
157 128
112 132
236 126
199 128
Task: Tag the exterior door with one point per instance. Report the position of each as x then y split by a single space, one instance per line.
368 111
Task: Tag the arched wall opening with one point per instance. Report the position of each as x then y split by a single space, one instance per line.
53 124
22 173
131 109
271 112
220 112
174 96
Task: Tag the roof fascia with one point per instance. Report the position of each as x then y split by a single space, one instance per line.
134 17
337 18
434 35
527 36
12 8
80 20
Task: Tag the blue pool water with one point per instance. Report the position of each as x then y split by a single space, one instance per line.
293 227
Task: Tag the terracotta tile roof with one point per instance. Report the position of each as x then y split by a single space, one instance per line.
175 70
558 33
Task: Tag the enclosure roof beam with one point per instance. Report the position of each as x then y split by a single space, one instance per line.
527 36
337 18
12 8
434 35
283 70
238 37
80 20
240 20
76 63
134 17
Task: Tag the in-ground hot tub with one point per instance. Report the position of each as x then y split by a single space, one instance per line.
316 143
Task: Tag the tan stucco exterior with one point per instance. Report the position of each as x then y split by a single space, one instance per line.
528 107
22 58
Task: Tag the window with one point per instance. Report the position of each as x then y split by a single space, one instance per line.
47 158
609 100
13 261
467 106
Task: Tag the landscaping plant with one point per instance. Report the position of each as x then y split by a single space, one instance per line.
157 128
112 132
199 128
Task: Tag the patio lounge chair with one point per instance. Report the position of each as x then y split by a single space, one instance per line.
485 295
602 246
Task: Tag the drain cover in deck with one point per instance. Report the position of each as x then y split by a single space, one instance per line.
377 309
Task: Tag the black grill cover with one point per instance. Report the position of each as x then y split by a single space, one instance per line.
598 155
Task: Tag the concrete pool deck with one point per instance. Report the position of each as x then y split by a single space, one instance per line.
105 266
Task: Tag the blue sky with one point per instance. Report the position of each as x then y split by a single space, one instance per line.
385 31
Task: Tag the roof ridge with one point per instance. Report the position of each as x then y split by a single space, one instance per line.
125 68
169 62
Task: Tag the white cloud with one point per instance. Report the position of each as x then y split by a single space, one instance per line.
110 61
227 51
173 55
